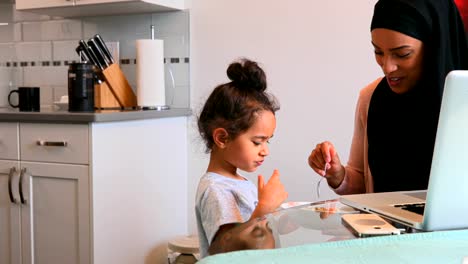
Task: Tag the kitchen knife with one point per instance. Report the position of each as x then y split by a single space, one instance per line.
99 54
102 45
81 54
82 46
94 58
90 54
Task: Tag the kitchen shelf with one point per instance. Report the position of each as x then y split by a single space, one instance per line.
83 8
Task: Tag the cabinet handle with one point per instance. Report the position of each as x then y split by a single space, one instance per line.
52 143
10 190
23 171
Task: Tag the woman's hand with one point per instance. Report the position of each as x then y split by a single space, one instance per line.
324 160
270 195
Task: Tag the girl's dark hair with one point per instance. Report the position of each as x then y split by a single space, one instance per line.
234 105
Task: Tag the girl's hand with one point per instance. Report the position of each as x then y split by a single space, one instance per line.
270 195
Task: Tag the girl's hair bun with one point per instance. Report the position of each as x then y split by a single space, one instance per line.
247 75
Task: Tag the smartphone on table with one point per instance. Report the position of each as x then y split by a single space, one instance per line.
366 225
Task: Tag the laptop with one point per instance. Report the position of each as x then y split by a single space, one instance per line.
444 205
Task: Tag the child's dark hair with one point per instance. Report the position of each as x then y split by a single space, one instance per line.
234 105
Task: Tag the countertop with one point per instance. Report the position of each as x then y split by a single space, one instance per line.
52 115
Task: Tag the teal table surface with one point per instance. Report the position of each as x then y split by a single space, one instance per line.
434 247
311 234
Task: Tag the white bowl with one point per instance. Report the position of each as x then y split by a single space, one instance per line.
61 106
64 99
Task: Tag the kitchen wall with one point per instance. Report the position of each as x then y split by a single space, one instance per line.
35 50
316 54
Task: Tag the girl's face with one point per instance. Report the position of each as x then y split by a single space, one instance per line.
248 150
400 57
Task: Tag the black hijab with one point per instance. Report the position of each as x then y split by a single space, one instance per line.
401 128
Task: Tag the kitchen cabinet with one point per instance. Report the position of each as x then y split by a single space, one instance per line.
45 205
10 240
101 192
80 8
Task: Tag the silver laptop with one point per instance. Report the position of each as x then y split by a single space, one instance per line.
444 205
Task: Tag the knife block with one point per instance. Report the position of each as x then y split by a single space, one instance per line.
104 98
119 86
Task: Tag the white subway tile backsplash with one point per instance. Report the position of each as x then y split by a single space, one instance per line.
34 51
21 16
46 93
171 23
175 46
56 75
52 30
129 71
4 91
6 13
18 32
35 76
31 31
180 98
128 49
17 77
65 50
90 28
11 76
117 28
63 30
7 52
6 74
180 71
6 32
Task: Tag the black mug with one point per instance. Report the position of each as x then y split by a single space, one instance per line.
28 99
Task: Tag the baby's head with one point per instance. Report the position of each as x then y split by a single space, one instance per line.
235 106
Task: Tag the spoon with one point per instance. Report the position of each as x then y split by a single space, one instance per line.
318 184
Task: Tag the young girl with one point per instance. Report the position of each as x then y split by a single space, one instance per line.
236 123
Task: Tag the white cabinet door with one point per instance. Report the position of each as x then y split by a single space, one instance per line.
10 244
55 218
9 141
27 4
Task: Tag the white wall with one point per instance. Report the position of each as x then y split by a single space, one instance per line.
316 54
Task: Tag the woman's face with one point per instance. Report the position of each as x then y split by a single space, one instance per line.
400 57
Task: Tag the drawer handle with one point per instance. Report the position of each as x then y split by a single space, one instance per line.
23 171
52 143
10 191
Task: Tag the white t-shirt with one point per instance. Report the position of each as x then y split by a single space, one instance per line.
221 200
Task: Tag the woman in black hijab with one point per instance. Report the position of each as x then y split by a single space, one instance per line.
416 43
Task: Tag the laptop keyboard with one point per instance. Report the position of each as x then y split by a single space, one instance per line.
417 208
